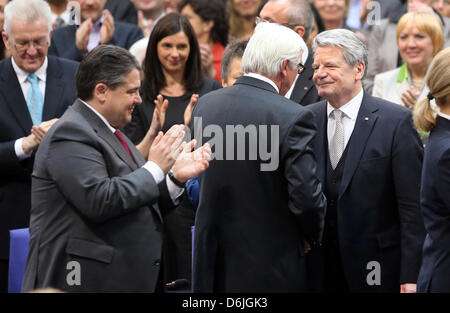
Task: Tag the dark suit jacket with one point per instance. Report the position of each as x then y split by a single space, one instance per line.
435 203
122 10
305 91
99 211
378 205
250 224
15 123
63 40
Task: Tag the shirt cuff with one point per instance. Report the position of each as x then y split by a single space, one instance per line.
21 155
174 191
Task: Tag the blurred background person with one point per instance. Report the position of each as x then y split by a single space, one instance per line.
149 13
318 26
171 6
381 41
122 10
434 196
3 51
419 38
172 81
333 12
442 6
210 23
97 27
242 14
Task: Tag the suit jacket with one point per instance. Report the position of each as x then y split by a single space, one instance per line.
250 224
100 211
122 11
435 203
63 40
305 91
378 204
386 86
15 123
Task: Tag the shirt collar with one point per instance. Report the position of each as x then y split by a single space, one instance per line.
112 129
41 72
351 108
444 115
263 78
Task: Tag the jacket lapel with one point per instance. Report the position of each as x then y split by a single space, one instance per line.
365 122
304 81
321 142
12 91
105 133
54 89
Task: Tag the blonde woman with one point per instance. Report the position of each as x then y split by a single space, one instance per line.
434 274
419 37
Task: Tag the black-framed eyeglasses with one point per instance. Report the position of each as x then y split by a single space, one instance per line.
260 20
23 46
300 68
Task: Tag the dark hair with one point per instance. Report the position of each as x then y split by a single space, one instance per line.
318 19
105 64
211 10
154 79
235 49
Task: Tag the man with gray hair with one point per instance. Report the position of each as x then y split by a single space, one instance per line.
369 161
297 15
258 212
35 89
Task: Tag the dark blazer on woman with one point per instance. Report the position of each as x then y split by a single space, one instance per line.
434 273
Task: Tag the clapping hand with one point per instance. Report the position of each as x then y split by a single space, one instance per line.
191 163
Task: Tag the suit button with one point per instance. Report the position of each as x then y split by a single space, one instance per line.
334 181
332 203
157 263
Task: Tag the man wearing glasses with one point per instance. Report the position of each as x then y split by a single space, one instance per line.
297 15
34 91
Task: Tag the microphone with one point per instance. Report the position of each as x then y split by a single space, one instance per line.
178 284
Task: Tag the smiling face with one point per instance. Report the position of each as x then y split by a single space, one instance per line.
246 8
146 5
120 102
335 80
22 34
201 27
91 9
173 52
415 47
330 10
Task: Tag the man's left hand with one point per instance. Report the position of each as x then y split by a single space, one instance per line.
408 288
190 164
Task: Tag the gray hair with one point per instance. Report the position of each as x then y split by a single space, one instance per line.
270 45
354 49
233 50
299 13
27 11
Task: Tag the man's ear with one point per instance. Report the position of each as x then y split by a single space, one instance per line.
101 92
6 40
360 68
284 67
299 29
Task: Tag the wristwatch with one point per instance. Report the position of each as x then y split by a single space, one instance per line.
176 181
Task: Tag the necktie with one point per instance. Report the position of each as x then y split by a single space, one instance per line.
123 142
337 142
35 101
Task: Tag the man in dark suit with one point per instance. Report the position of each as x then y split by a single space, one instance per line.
97 27
34 90
258 214
369 160
122 10
297 15
97 224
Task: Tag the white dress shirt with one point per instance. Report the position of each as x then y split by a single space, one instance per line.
350 112
41 74
444 115
153 168
263 78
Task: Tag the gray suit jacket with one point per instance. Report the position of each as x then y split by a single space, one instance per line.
91 203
